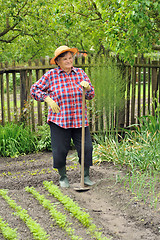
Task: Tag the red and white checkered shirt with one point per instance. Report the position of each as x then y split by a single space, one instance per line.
66 91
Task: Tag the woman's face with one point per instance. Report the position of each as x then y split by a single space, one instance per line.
66 62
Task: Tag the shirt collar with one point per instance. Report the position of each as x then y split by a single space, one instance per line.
61 70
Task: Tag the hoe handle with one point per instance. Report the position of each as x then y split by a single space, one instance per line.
83 138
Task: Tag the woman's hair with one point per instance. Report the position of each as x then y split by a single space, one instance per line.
62 55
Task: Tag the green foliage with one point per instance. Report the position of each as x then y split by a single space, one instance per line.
15 140
139 152
131 27
109 85
22 26
44 138
69 203
142 185
35 28
151 123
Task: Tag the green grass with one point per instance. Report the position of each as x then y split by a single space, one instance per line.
16 140
139 153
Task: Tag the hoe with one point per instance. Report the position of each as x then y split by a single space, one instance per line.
82 187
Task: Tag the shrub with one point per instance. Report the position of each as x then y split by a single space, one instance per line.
44 138
16 140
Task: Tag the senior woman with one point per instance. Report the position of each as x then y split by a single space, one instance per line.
62 88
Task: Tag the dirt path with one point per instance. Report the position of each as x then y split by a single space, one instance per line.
112 208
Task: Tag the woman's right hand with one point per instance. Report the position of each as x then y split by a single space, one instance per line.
55 108
86 85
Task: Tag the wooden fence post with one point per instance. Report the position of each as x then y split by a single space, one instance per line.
2 98
139 88
149 84
158 79
23 94
144 88
14 93
128 95
133 93
38 102
121 111
76 60
8 96
31 101
154 87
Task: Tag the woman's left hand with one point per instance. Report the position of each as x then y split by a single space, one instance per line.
86 85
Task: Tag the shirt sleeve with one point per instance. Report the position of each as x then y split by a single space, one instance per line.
88 94
39 90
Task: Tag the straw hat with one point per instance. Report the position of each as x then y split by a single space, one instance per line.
62 49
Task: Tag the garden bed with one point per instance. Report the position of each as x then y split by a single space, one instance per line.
116 212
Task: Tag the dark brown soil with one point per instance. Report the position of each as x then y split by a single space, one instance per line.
112 207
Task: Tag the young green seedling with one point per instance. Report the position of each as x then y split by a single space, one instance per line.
8 232
60 218
74 209
34 227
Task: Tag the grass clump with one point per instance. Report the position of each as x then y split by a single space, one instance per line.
16 139
136 151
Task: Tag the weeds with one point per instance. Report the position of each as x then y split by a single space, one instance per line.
139 152
16 140
142 185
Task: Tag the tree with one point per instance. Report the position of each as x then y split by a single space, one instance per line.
32 29
126 27
131 27
24 28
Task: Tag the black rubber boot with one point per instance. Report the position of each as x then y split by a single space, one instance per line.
87 180
63 181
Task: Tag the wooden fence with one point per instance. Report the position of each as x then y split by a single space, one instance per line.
141 88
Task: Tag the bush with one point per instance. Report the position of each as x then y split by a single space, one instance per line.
44 138
16 140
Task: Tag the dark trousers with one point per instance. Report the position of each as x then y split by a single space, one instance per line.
60 141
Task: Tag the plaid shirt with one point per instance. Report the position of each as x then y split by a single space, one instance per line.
66 91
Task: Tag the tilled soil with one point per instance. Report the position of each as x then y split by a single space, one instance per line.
114 210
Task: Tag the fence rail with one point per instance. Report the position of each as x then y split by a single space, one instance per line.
141 89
